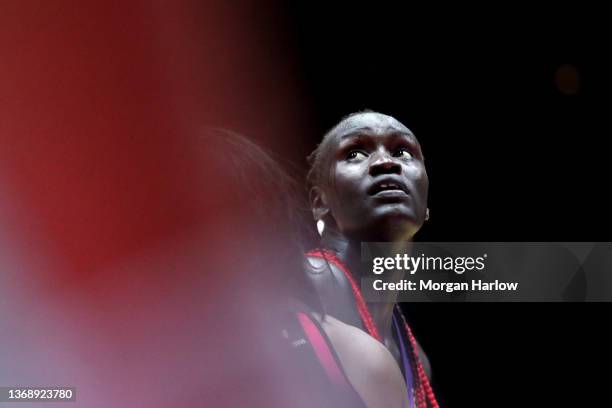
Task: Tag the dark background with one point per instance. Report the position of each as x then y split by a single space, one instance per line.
515 151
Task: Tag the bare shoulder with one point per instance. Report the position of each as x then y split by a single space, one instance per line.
317 265
368 364
318 269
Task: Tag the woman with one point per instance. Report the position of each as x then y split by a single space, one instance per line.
368 184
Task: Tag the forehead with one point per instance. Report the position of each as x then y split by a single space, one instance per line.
371 123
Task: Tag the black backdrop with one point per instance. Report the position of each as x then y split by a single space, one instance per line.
515 151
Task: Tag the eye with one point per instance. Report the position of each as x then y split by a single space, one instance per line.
356 154
403 153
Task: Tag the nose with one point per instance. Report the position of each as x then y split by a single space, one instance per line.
383 163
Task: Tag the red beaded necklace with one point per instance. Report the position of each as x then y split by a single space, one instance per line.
422 387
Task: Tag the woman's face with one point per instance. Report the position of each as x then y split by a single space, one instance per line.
377 182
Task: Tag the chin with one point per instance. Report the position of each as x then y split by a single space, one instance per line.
394 213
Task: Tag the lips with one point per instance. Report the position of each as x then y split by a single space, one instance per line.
388 185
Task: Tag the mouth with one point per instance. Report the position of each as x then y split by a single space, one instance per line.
388 188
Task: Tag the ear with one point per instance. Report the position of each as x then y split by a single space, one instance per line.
318 203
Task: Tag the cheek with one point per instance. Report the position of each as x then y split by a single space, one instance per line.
345 193
420 183
346 182
418 175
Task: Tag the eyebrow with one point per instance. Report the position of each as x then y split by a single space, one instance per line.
367 131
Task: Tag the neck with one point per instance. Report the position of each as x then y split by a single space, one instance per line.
349 252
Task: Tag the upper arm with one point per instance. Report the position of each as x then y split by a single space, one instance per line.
369 366
378 379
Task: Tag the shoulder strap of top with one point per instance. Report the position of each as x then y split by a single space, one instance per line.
323 351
